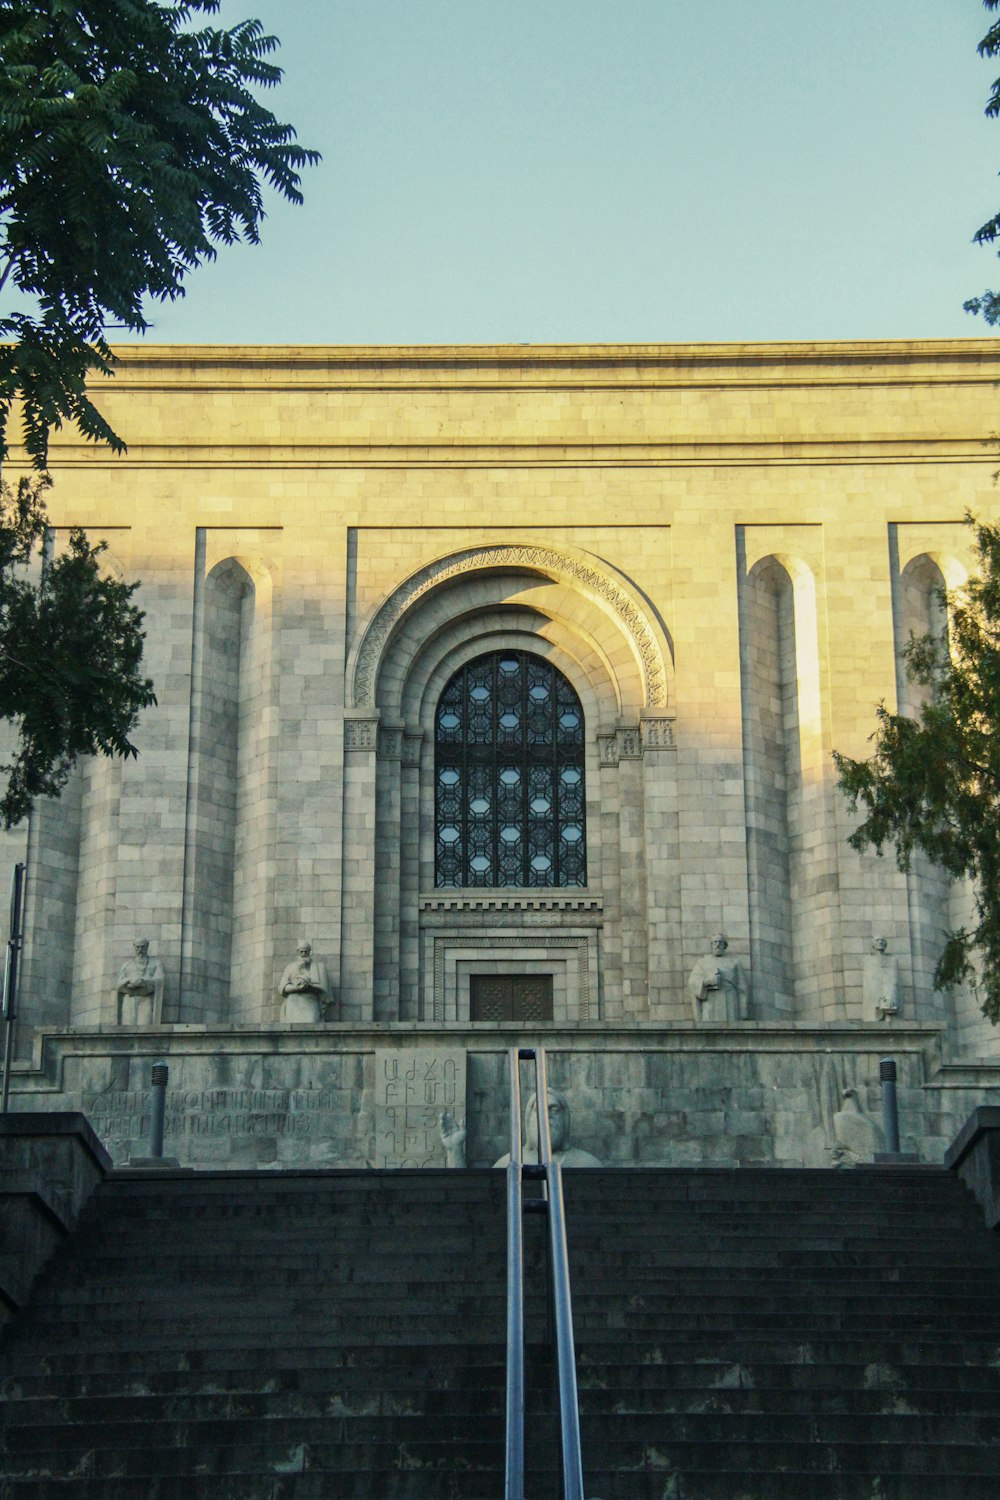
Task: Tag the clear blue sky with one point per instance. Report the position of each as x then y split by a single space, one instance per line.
617 170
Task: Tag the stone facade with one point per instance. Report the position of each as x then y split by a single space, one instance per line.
721 549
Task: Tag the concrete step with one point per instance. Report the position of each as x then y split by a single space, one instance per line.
331 1457
139 1356
260 1336
172 1237
367 1399
418 1370
21 1443
463 1325
201 1288
406 1484
660 1482
690 1457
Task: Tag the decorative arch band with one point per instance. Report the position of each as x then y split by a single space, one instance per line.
546 560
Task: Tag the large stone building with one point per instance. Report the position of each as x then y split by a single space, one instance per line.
508 677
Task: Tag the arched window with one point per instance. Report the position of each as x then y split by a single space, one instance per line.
508 776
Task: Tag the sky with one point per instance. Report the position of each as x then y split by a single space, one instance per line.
606 171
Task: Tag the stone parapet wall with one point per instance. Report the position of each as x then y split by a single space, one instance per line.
720 549
50 1162
353 1096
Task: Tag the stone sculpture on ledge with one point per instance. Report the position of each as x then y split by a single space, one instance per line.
883 986
856 1136
720 991
139 994
305 988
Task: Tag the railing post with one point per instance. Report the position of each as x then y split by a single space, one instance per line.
514 1469
15 943
890 1109
160 1075
562 1305
559 1300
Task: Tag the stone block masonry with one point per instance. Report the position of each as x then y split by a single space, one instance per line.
719 549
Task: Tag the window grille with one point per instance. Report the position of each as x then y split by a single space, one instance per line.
508 776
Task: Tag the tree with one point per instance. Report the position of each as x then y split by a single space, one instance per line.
130 146
70 653
989 303
933 782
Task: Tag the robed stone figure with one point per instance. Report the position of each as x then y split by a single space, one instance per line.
140 988
304 987
719 988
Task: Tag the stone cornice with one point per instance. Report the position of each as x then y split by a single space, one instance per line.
51 1049
277 367
650 406
684 454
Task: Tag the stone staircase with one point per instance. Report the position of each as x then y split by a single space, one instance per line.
786 1335
741 1335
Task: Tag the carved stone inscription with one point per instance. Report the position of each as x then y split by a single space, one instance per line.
124 1115
412 1089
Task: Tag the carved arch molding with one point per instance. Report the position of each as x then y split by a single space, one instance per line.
559 566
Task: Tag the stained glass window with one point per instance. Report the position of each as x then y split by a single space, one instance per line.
508 776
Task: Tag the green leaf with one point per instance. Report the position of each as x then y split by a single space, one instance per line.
71 645
932 782
130 147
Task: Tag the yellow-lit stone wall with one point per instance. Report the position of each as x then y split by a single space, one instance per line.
721 546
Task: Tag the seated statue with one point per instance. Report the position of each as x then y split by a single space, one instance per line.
856 1137
304 988
883 986
720 991
140 988
453 1137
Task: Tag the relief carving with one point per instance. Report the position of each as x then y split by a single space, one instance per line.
413 741
629 747
543 559
360 734
390 741
658 734
607 749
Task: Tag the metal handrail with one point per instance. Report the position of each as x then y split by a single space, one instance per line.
562 1307
15 945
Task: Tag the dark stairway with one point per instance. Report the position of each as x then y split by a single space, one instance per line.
785 1335
744 1335
266 1336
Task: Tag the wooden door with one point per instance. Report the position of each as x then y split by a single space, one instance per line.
510 997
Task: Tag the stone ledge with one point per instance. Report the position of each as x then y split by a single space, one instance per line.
50 1124
974 1156
517 902
980 1074
23 1183
50 1163
982 1120
50 1049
